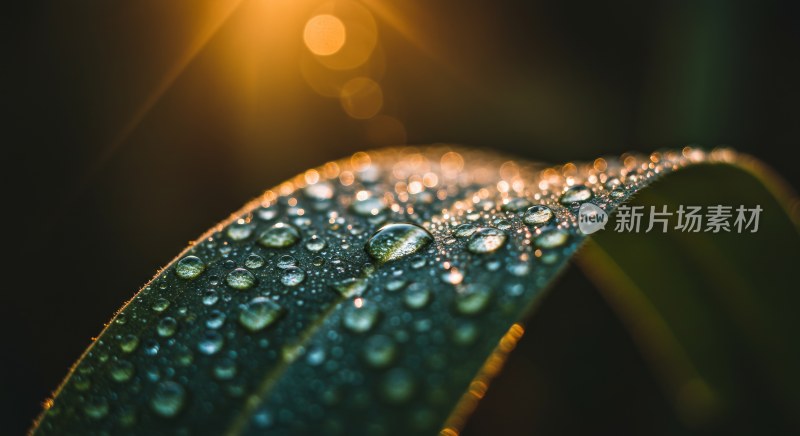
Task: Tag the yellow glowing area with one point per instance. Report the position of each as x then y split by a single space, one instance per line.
324 35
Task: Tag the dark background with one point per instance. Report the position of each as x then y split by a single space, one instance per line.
95 207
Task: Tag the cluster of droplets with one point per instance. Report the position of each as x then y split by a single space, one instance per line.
358 276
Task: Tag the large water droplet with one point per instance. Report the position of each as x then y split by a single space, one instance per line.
286 261
168 399
360 319
464 230
516 204
537 215
552 238
575 194
240 279
122 371
280 235
486 240
293 276
189 267
473 298
321 191
315 244
167 327
239 231
417 296
369 206
254 261
211 342
396 241
351 287
129 343
398 386
379 351
95 407
259 313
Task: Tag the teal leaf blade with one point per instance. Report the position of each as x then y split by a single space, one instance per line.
363 295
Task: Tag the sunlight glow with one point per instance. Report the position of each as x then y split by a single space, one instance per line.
324 35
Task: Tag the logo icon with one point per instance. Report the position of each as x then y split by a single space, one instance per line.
591 218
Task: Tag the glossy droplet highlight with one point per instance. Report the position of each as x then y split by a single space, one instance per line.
189 267
168 399
537 215
473 298
379 351
360 319
293 276
486 240
280 235
240 279
576 194
259 314
396 241
552 238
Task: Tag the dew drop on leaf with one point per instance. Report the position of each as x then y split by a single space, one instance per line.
575 194
379 351
240 279
280 235
552 238
211 342
293 276
396 241
168 399
259 313
486 240
189 267
537 215
360 319
473 298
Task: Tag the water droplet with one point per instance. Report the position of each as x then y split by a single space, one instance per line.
239 231
464 230
417 296
617 193
369 206
167 327
211 343
189 267
315 244
465 333
267 213
351 287
537 215
168 399
254 261
360 319
502 224
321 191
473 298
286 261
129 343
259 313
95 407
398 386
379 351
280 235
579 193
552 238
486 240
396 241
215 319
122 371
293 276
240 279
516 204
161 304
210 297
225 369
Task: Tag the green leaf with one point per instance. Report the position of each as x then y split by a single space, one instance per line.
711 312
379 293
